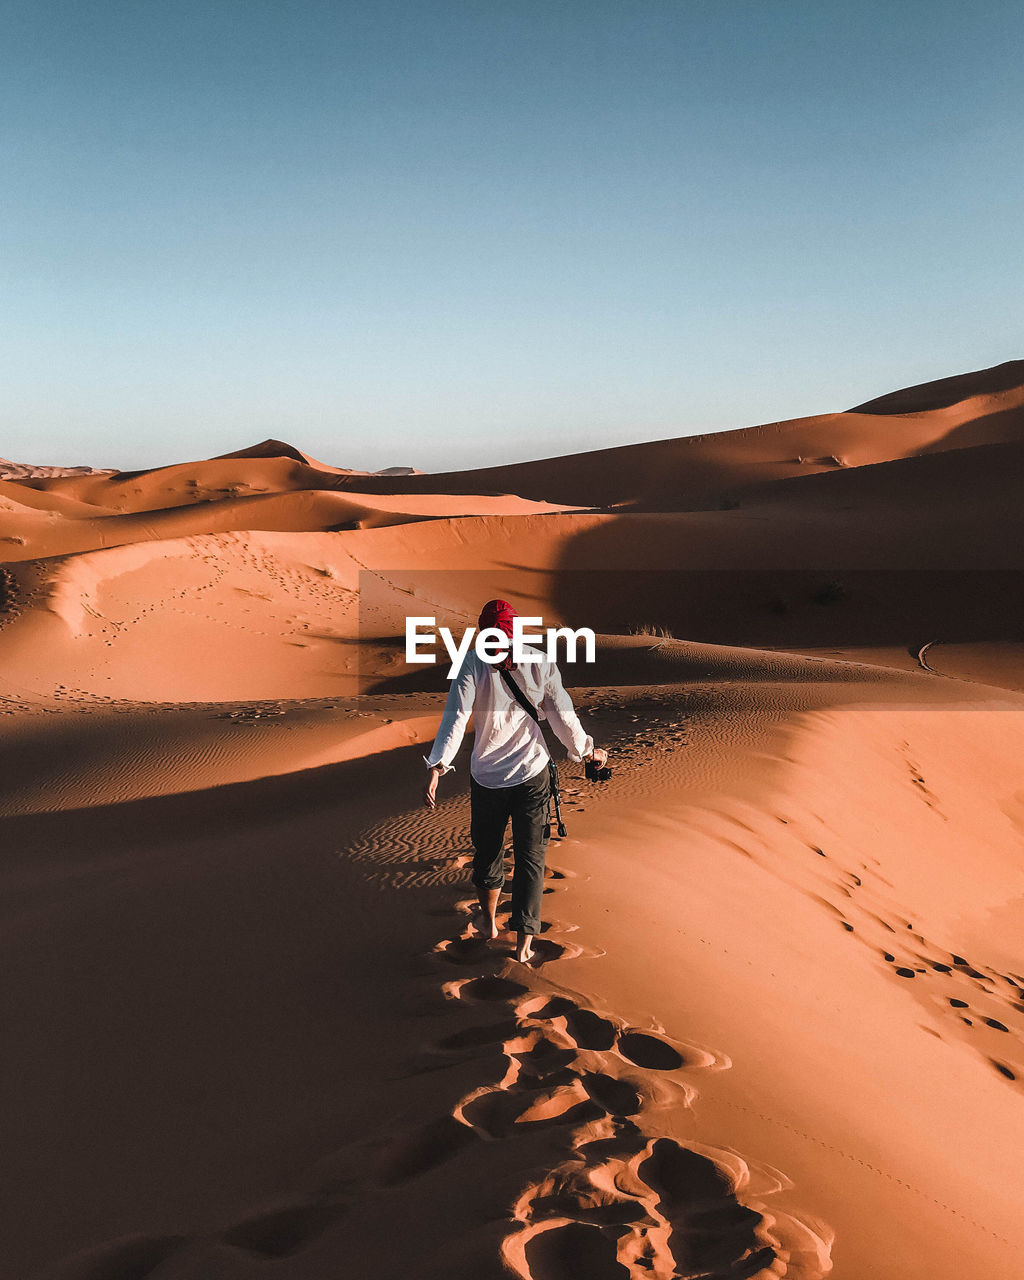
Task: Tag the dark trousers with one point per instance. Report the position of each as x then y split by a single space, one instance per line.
527 806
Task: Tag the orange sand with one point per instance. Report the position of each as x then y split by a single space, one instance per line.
775 1024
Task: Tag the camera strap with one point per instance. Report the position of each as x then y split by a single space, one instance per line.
519 695
531 711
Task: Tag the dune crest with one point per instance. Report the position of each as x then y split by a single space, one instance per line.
773 1024
940 394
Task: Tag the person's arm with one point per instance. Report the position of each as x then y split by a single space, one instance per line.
457 710
563 719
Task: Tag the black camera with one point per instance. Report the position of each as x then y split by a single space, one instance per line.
596 772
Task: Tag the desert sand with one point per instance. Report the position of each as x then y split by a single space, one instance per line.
773 1026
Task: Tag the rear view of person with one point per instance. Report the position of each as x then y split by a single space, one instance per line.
508 771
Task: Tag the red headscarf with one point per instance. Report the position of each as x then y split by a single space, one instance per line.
499 613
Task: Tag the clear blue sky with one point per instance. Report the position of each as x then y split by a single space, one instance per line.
438 233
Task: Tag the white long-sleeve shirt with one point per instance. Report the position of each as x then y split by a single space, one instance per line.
509 747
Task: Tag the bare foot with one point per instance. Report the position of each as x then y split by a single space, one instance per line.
486 926
485 922
524 947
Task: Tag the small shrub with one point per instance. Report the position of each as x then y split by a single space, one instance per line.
650 630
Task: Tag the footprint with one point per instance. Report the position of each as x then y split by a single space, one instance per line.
541 1087
542 1059
650 1207
588 1029
558 926
466 951
574 1251
572 1192
489 988
284 1232
648 1051
681 1176
618 1097
564 1104
627 1141
544 951
712 1232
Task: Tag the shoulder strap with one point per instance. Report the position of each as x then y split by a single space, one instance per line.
531 711
518 694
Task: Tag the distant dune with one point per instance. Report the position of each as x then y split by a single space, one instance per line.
985 385
278 449
26 471
775 1022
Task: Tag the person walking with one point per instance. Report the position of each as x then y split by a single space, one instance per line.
508 771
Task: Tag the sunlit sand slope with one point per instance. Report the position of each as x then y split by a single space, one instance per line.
774 1025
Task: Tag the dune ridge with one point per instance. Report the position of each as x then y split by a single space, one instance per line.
774 1024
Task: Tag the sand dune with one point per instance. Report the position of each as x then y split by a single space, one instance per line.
916 550
244 474
694 471
612 1112
30 471
304 510
279 449
713 470
982 475
775 1021
985 384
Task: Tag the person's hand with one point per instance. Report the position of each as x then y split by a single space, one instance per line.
430 790
595 768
